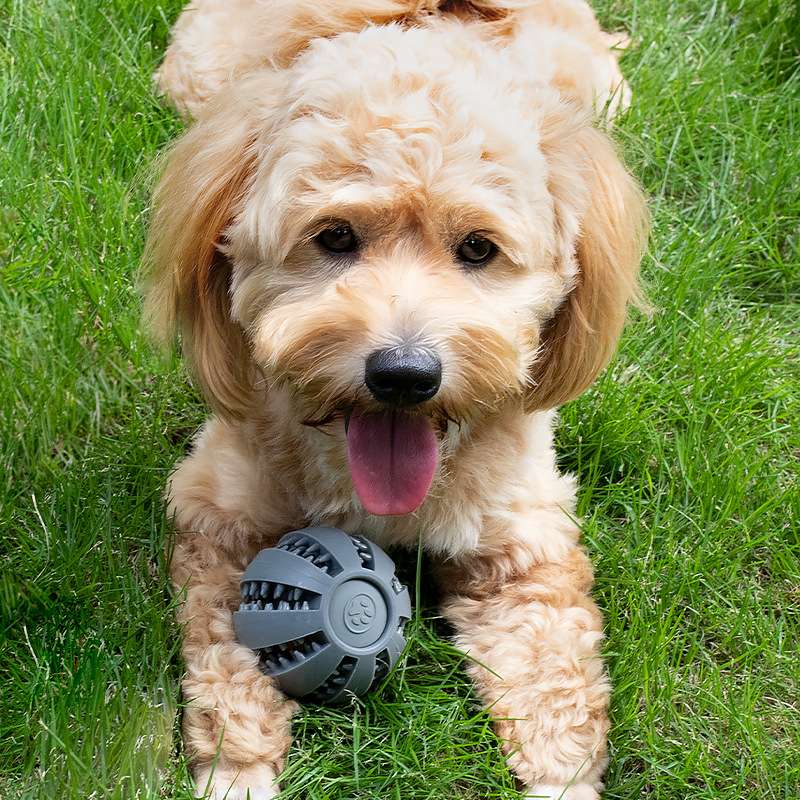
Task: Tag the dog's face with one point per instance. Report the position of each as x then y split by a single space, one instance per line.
401 236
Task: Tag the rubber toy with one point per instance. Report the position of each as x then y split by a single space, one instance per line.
325 612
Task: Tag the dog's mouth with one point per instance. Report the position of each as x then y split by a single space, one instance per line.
393 457
392 453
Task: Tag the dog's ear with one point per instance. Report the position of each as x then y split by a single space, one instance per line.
602 225
186 276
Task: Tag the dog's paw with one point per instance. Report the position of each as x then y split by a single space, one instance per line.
577 791
256 782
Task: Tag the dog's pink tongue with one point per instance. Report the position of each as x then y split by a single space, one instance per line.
392 457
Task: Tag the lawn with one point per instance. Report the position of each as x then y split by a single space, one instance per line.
687 448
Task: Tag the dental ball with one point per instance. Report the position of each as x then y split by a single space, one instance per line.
325 612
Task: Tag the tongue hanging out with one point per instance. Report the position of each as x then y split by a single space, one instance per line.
393 457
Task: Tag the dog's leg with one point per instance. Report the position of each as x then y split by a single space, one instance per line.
533 643
236 722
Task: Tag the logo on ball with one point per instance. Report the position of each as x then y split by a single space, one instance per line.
359 613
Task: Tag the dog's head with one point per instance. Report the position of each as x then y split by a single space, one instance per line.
401 231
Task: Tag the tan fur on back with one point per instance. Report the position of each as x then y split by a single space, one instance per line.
417 123
217 41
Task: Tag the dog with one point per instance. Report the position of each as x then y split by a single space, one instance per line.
394 238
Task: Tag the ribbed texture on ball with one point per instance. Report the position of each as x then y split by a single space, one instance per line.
325 612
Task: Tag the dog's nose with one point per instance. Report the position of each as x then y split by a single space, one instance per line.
403 376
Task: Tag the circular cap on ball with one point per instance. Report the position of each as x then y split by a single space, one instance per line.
358 613
325 612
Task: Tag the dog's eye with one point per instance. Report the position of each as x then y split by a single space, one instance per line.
476 250
338 238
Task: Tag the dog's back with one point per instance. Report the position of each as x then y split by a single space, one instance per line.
558 41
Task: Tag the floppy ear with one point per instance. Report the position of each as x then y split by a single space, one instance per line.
602 225
207 174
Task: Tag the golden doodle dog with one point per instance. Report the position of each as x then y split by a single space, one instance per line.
394 238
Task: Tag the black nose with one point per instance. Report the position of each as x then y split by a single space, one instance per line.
403 376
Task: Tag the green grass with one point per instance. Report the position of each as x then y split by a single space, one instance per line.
687 448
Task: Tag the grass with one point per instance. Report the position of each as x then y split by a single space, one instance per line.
687 448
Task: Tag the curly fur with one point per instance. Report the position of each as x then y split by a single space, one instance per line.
417 122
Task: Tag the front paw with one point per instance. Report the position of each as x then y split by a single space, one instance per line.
217 782
576 791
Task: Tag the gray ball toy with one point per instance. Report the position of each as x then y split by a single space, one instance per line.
325 612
